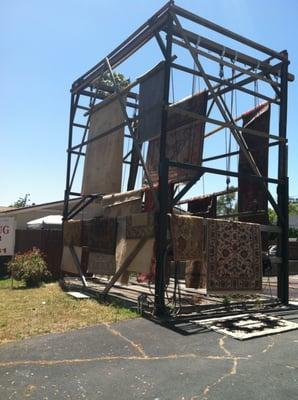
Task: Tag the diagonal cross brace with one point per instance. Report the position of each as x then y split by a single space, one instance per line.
228 118
246 149
128 123
77 264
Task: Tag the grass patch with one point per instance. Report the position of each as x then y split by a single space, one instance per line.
29 312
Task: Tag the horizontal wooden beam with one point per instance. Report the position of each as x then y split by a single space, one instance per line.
226 32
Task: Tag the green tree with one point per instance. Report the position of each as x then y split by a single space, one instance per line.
22 201
293 210
272 216
105 80
226 203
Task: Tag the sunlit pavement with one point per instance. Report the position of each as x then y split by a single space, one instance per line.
138 359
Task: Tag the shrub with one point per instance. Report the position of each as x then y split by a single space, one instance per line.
226 301
293 233
29 267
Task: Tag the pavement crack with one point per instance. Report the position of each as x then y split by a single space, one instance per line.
136 346
221 343
232 371
101 358
270 345
226 358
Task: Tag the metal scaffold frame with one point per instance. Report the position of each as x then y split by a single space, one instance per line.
272 70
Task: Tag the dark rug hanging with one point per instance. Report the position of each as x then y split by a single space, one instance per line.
185 137
150 103
149 122
203 207
251 193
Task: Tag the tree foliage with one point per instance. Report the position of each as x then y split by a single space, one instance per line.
22 201
293 210
105 80
272 216
293 233
226 203
120 79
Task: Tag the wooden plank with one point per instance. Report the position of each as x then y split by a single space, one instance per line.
125 264
77 264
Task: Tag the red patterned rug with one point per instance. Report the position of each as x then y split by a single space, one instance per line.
234 256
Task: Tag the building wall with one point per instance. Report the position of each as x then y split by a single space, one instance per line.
293 221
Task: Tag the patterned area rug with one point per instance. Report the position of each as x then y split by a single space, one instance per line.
234 256
248 326
101 264
100 235
140 225
187 237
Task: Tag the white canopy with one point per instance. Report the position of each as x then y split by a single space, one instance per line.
48 220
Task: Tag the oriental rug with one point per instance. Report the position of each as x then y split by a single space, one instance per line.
187 237
248 326
140 225
100 235
101 264
234 256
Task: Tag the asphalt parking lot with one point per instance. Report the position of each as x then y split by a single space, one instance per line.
139 359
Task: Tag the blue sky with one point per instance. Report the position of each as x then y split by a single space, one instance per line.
46 45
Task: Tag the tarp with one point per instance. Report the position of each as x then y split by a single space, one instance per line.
48 221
